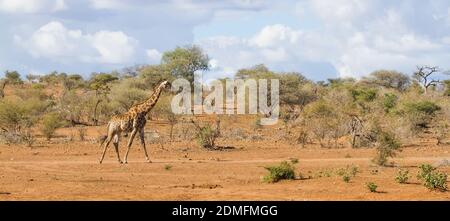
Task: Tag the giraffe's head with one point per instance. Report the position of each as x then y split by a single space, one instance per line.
165 85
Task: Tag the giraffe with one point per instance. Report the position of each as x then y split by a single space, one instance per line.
131 121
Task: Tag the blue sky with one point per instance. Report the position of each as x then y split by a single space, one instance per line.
319 38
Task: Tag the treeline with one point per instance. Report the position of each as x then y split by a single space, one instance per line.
382 109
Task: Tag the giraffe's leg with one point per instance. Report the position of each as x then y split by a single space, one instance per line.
142 135
107 141
116 146
130 141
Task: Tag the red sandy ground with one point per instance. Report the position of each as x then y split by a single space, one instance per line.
70 171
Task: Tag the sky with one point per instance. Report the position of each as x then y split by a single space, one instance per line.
319 38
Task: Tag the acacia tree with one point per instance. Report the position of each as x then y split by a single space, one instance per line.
13 77
424 75
99 83
72 81
388 79
154 74
185 61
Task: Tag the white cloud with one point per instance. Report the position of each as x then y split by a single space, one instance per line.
272 35
32 6
154 56
56 42
114 47
352 36
107 4
340 11
353 55
53 40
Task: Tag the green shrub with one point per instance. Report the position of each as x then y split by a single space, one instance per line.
372 187
436 181
206 136
346 178
13 77
426 107
13 116
420 114
402 176
364 95
50 123
389 102
168 167
425 169
347 173
285 171
432 179
387 146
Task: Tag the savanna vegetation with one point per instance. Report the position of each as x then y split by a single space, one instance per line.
372 119
383 110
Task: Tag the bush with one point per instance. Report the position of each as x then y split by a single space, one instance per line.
436 181
13 77
433 180
285 171
364 95
168 167
402 176
50 123
28 138
13 116
325 122
303 137
425 169
420 114
346 178
387 146
372 187
389 102
426 107
206 135
347 173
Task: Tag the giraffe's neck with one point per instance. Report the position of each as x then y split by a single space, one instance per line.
150 102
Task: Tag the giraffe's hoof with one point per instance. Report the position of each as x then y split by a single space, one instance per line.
149 161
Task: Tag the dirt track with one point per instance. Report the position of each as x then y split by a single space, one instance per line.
71 172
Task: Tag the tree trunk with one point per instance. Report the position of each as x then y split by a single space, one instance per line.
95 112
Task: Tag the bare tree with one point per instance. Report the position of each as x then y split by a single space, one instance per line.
424 76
